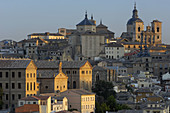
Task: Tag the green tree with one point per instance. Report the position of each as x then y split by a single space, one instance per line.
124 106
101 108
103 88
98 108
111 102
114 106
104 107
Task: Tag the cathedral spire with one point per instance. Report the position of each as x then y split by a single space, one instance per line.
135 12
86 15
91 16
100 21
135 5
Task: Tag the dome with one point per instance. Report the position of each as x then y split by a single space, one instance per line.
132 20
86 21
134 17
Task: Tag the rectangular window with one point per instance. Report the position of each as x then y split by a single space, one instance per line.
27 86
6 85
13 85
6 96
19 96
6 74
13 96
30 75
0 74
27 75
19 74
34 85
44 103
13 74
21 103
89 72
19 85
31 86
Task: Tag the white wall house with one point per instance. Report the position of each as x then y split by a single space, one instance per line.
114 51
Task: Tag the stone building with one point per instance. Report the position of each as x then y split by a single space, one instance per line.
46 35
156 107
114 51
155 64
18 78
43 103
79 72
52 81
135 30
43 49
88 40
82 100
92 44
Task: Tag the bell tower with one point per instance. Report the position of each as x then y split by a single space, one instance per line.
135 26
157 29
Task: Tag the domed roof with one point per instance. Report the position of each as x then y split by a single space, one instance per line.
132 20
86 21
134 17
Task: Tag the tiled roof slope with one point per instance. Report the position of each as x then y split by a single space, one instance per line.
35 98
80 91
45 64
47 73
7 63
27 108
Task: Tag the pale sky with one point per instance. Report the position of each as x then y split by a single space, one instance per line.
18 18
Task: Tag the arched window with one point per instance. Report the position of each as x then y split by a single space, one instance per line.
97 77
138 29
74 84
157 29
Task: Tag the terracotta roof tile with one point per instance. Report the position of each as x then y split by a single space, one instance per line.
27 108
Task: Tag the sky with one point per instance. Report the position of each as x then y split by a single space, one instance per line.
18 18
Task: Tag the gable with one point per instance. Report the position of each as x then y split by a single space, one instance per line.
61 76
31 65
87 65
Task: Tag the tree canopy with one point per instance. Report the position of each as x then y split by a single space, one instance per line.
106 98
104 89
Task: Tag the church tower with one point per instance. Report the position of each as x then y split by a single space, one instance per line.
135 26
157 29
92 20
85 25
